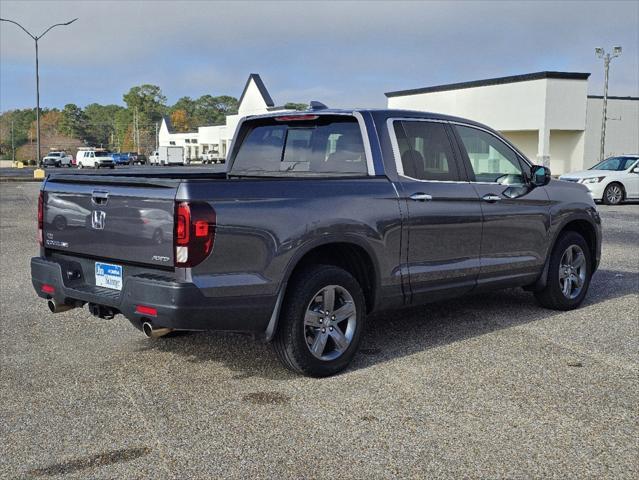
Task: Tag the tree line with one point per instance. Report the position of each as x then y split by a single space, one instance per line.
131 127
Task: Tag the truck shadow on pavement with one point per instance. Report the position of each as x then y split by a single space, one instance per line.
395 334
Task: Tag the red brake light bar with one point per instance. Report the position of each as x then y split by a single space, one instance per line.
296 118
144 310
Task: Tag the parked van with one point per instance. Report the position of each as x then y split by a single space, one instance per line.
91 157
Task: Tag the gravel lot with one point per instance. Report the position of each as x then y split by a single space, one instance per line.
489 386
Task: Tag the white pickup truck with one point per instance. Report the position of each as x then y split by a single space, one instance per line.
57 159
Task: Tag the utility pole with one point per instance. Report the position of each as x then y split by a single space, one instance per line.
156 136
616 51
35 39
13 145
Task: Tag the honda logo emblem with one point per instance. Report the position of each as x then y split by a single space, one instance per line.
97 219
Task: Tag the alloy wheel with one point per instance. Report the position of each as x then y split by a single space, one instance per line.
329 322
614 194
572 272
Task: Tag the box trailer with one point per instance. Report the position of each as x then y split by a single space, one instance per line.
170 156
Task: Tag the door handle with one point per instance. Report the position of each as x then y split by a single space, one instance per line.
491 198
420 197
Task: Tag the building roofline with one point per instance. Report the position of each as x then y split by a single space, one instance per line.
169 125
261 87
614 98
491 81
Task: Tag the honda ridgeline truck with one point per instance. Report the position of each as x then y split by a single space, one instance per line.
321 218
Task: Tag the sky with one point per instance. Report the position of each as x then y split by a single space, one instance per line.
345 54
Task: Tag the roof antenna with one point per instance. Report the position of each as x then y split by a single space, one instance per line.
315 105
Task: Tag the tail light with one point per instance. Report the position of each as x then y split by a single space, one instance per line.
194 233
40 216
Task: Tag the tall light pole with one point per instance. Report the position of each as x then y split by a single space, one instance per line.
616 51
35 39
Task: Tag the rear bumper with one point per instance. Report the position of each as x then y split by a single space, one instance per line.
179 305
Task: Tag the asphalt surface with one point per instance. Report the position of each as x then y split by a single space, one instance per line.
489 386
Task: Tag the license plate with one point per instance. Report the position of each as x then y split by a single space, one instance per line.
108 275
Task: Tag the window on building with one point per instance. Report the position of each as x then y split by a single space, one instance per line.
171 142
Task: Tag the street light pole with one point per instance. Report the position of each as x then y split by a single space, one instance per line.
616 51
35 39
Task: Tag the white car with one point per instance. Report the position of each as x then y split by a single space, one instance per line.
612 181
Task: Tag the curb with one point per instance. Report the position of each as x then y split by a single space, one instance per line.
19 179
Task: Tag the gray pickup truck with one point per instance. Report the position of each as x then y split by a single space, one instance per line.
321 218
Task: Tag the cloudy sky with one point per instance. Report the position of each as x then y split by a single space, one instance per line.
342 53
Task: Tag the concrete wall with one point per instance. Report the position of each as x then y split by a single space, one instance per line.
622 128
526 141
511 106
566 151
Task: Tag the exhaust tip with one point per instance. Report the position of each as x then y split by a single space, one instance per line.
150 332
147 329
56 307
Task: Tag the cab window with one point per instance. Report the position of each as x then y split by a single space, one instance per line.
425 151
491 160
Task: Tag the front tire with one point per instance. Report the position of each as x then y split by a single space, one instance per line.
321 322
613 194
569 273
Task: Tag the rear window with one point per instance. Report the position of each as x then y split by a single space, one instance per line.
320 146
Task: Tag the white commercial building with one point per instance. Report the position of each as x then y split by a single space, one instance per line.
254 100
547 115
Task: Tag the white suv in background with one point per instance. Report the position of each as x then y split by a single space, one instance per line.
94 158
612 181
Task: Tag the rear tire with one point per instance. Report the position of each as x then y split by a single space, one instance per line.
569 273
613 194
317 336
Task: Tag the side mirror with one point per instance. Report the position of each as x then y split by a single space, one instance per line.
540 175
636 169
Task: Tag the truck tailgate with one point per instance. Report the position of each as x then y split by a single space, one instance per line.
125 219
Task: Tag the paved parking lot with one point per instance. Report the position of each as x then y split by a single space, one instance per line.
486 387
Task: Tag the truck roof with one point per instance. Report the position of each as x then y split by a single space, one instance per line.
377 113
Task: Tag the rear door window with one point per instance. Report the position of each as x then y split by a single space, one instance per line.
425 151
323 145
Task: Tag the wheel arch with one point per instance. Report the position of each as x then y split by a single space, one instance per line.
583 227
349 254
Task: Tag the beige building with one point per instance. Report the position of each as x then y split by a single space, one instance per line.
547 115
